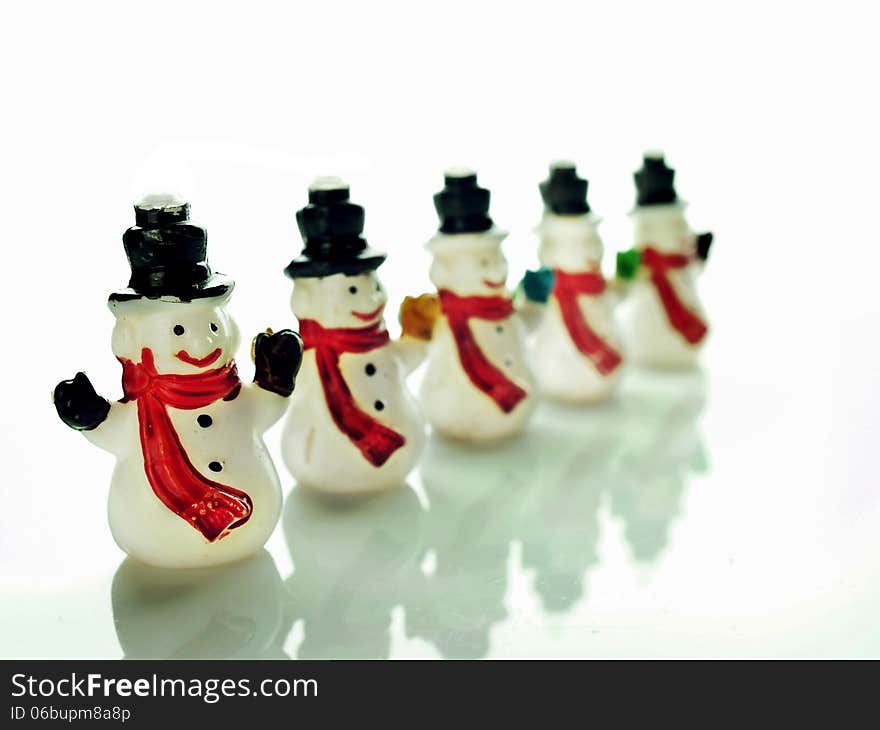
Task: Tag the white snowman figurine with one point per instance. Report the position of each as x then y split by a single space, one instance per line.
477 385
662 320
194 485
355 426
576 351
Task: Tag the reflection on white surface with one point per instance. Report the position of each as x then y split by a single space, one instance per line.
665 523
475 498
357 559
653 463
354 560
232 611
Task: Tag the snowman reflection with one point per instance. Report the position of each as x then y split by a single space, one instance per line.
560 525
228 612
476 499
663 448
354 558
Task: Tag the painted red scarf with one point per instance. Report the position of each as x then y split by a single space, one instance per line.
210 507
686 321
567 288
482 373
375 441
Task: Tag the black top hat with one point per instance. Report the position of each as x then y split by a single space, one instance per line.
331 227
655 181
168 255
565 193
463 206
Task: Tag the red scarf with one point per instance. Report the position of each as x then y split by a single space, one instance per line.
210 507
567 288
686 321
375 441
482 373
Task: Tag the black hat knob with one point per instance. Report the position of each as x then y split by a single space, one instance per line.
331 222
565 193
655 182
462 205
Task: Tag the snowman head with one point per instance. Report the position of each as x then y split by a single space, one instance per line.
570 242
469 264
340 301
185 337
663 227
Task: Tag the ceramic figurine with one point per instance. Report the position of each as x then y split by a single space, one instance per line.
194 485
576 352
662 321
355 427
477 386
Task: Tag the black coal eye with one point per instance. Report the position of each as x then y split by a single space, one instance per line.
179 330
352 290
214 327
378 286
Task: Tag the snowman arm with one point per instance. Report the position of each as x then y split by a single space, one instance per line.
267 407
616 291
530 313
410 351
111 434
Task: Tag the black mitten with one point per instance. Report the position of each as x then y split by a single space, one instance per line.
704 242
277 358
78 405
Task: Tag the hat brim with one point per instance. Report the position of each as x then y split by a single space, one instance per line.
218 285
555 223
304 266
677 203
455 243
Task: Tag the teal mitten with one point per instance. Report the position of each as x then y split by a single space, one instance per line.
537 285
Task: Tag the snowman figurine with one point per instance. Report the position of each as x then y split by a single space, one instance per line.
662 320
477 385
356 427
576 353
194 485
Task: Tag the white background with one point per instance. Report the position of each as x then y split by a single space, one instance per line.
767 110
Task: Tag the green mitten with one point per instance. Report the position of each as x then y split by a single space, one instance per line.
628 264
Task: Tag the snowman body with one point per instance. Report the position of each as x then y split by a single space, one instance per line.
472 265
221 440
319 454
452 405
649 337
572 244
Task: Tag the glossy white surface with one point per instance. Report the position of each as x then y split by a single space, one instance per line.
754 526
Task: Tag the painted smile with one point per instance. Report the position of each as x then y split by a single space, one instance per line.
199 362
369 316
493 284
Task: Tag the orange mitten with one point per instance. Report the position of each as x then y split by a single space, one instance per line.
418 315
